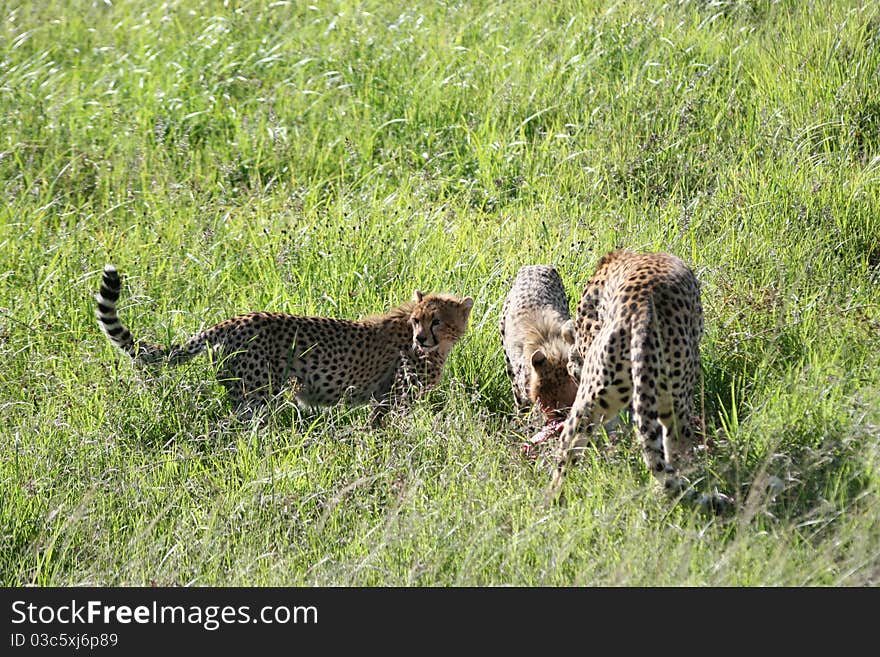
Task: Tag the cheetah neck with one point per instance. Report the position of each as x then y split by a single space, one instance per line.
394 316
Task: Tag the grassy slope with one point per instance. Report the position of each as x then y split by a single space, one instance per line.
329 159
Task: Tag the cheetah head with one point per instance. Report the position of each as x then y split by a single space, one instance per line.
551 387
438 320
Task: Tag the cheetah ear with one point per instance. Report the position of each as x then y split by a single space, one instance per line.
418 296
538 359
568 332
467 303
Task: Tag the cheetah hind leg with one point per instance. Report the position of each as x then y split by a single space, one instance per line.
678 440
249 408
248 405
654 439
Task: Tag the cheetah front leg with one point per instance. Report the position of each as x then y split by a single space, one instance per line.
400 388
379 411
519 402
572 442
603 391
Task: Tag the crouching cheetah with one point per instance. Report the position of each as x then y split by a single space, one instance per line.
638 329
379 360
537 334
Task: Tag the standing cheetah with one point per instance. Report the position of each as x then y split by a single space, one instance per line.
639 324
537 334
379 359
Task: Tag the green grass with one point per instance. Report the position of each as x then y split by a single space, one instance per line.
330 159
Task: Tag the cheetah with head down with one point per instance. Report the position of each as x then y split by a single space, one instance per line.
638 329
537 335
379 360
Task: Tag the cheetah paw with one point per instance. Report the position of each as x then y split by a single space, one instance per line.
716 502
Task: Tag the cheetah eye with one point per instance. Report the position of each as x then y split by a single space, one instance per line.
435 322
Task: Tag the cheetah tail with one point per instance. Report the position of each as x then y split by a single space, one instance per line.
114 329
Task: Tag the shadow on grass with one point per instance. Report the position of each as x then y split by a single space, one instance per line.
808 473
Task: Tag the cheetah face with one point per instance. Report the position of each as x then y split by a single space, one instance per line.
438 320
551 386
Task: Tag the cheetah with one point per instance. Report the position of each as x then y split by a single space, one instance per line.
638 329
537 334
380 360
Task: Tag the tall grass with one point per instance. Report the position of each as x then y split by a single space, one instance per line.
329 159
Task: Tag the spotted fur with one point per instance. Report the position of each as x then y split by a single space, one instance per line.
378 360
638 329
537 335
